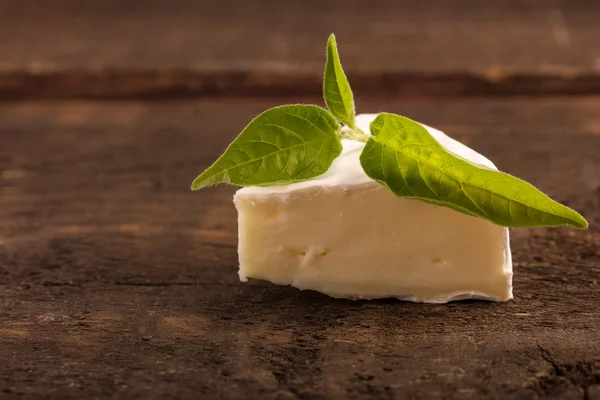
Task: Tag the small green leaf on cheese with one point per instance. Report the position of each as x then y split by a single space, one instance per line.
403 156
284 144
336 89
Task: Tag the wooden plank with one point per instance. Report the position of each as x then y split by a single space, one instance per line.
116 281
68 48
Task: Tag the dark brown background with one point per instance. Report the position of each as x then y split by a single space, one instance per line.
117 282
175 48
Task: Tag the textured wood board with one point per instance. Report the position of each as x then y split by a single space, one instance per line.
153 48
435 35
116 281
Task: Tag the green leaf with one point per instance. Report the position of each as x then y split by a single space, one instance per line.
284 144
403 156
336 89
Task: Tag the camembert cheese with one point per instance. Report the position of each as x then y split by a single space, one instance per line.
345 235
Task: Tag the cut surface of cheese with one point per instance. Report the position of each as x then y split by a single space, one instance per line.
345 235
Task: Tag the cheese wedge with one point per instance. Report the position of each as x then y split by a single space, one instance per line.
345 235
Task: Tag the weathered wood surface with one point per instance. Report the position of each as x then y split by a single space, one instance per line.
154 48
117 282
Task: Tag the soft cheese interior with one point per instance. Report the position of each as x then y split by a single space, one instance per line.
346 235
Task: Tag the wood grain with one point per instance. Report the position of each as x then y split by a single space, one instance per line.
117 282
153 48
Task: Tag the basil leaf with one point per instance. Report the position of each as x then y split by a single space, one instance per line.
336 89
284 144
403 156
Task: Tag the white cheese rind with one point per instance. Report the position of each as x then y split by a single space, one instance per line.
346 235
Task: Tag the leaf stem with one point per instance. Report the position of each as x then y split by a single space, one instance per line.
354 133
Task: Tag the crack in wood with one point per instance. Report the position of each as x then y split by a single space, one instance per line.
171 84
580 374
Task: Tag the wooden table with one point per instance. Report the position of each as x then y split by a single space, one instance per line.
118 282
